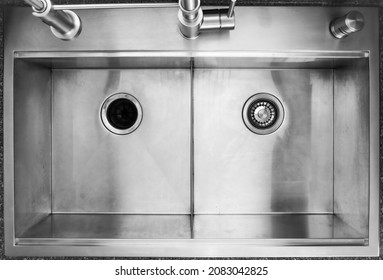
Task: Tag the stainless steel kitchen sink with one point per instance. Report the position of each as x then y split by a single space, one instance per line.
139 142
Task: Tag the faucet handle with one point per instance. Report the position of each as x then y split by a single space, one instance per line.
230 12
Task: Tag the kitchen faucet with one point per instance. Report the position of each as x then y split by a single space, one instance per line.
193 20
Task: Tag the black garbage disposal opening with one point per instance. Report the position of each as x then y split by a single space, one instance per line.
122 113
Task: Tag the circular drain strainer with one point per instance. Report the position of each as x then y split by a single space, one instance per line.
263 113
121 113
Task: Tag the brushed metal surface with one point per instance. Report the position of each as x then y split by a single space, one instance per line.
237 171
191 247
109 229
147 171
319 80
352 145
32 122
201 59
111 226
278 226
156 29
253 26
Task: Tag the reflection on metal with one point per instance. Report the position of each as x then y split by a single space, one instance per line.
273 174
65 25
349 23
352 151
146 171
277 226
121 113
278 172
111 226
72 188
263 113
32 143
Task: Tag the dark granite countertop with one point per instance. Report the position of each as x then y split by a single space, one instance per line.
370 3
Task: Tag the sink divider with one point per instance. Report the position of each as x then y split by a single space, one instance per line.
192 148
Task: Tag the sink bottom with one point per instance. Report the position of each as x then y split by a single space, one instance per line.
265 229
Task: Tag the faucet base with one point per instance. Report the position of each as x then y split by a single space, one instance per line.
190 29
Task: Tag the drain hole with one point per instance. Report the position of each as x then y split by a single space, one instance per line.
121 113
263 113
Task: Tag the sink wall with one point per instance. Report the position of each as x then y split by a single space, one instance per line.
32 145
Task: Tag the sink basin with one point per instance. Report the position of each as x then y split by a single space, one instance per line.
192 169
190 152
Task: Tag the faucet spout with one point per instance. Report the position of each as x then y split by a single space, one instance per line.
190 18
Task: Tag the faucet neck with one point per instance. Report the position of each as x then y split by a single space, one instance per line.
189 5
189 9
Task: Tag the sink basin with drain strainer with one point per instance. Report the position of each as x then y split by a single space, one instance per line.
121 113
263 113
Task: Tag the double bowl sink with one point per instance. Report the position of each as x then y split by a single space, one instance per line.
190 152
